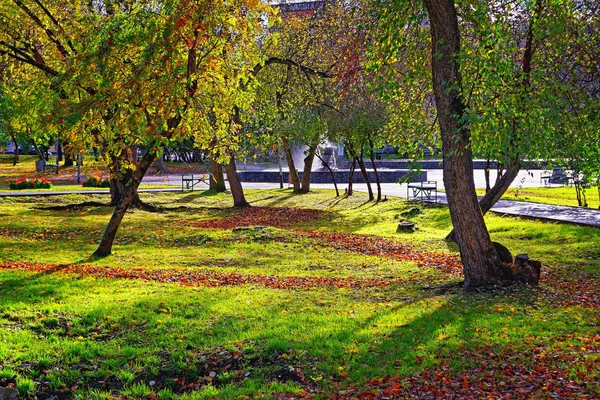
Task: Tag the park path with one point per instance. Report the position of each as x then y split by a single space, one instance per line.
549 212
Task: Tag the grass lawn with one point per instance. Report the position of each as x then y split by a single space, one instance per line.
563 195
318 298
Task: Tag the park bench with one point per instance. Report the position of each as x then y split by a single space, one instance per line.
559 175
188 182
422 190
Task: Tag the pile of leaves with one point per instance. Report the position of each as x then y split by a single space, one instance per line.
573 289
377 246
278 217
26 183
282 217
207 278
498 376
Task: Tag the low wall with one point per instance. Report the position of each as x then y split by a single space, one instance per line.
437 164
341 176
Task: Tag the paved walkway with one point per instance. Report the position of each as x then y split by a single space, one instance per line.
575 215
550 212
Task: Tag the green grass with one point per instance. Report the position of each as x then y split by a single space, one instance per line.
97 336
563 195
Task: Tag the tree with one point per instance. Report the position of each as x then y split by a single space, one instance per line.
141 73
513 60
498 91
481 263
299 80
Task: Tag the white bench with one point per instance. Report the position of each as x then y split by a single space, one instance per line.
422 190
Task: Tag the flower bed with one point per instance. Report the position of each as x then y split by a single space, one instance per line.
96 181
26 183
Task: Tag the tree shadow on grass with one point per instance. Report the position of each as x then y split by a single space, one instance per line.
268 202
204 325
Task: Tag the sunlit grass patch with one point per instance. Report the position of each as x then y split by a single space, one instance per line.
303 308
563 195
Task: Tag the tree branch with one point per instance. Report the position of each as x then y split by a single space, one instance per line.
55 21
48 32
292 63
20 55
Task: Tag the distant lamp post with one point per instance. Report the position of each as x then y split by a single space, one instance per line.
79 168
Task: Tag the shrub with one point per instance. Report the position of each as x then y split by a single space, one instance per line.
26 183
96 181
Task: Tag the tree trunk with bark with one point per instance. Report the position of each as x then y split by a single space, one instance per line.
308 162
291 167
116 190
337 192
374 165
365 174
160 165
496 192
486 173
68 160
128 196
349 191
217 180
59 152
16 152
239 200
481 263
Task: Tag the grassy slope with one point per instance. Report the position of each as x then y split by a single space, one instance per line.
91 337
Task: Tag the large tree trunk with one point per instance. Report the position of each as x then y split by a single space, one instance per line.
290 162
365 174
68 160
496 192
308 162
217 181
67 149
128 196
481 263
239 200
116 190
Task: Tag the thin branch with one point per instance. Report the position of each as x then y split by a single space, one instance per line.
48 32
20 55
292 63
39 3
